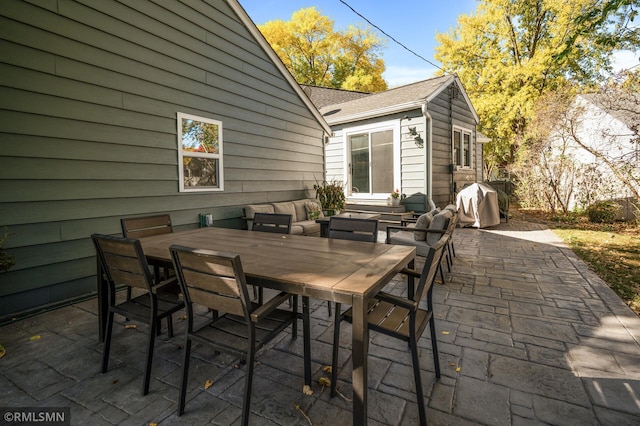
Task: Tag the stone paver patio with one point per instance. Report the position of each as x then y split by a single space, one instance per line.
527 335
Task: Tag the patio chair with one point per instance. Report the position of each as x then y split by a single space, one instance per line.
272 222
426 232
277 223
403 318
216 280
345 228
123 262
145 226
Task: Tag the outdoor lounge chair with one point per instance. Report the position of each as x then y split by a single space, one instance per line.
422 234
216 280
403 318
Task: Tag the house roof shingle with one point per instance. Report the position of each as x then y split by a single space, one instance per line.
409 96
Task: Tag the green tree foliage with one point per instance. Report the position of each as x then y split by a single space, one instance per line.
511 52
317 54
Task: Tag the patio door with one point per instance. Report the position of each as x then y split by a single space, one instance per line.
371 156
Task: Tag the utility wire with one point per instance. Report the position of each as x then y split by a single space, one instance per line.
392 38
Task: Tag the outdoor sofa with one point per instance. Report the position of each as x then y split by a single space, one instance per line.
302 222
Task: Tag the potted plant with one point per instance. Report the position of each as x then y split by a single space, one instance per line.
396 197
331 196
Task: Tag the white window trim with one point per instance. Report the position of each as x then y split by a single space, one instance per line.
218 156
463 131
393 125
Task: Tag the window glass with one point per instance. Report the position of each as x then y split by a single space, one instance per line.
467 149
456 147
382 161
360 163
462 149
200 153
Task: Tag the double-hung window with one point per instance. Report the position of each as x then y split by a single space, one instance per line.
200 153
462 154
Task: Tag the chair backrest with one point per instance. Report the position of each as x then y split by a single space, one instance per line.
144 226
278 223
212 279
123 261
346 228
431 263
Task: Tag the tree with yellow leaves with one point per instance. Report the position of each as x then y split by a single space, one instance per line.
511 52
315 53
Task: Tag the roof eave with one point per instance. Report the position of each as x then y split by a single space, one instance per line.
253 29
377 112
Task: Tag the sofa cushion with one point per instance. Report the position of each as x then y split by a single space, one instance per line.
422 223
252 209
313 210
301 210
406 239
309 227
439 222
287 208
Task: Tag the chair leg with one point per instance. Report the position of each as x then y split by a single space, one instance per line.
107 342
441 273
149 360
169 326
293 300
306 337
413 344
434 347
246 404
185 376
336 346
329 307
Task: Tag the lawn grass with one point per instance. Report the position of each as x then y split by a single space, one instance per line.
611 250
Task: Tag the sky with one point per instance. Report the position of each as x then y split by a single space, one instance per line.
413 23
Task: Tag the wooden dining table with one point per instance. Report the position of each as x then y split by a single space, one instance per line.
347 272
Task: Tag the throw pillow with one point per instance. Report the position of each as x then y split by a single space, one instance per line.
314 211
422 223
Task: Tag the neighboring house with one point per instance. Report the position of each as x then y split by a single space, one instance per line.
90 97
421 137
609 124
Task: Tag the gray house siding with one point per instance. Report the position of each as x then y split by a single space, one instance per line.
446 112
89 92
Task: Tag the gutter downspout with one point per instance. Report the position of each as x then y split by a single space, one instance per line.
429 154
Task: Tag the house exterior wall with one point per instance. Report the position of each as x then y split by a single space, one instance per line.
412 173
446 112
89 94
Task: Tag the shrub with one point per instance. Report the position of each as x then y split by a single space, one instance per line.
603 212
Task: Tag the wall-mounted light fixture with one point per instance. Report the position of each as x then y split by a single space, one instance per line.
416 137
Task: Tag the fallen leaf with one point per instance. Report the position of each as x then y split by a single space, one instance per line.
208 384
324 381
445 332
458 370
452 364
130 326
327 369
306 389
36 337
153 424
